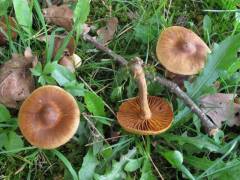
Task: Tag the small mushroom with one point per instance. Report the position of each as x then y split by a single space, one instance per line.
181 51
144 115
4 29
49 117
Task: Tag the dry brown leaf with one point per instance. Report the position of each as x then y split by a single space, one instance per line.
59 15
106 33
68 63
71 62
16 79
4 29
220 108
58 41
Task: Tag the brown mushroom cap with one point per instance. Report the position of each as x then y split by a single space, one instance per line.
49 117
131 119
181 51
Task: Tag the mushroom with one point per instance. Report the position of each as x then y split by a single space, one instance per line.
4 29
144 115
49 117
181 51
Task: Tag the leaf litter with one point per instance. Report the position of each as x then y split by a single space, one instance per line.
16 80
221 108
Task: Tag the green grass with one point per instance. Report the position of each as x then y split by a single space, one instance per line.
184 151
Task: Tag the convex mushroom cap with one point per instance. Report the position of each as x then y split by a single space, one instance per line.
181 51
49 117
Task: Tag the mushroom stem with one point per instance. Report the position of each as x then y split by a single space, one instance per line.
136 67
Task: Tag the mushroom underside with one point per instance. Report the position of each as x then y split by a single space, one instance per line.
131 119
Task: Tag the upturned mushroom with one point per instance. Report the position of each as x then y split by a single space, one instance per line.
144 115
181 51
49 117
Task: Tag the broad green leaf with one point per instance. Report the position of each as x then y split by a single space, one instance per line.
175 158
202 163
3 139
221 58
66 163
133 165
146 171
75 88
198 141
13 142
117 170
223 171
4 4
23 14
37 70
49 68
207 24
62 75
94 104
88 166
81 13
4 113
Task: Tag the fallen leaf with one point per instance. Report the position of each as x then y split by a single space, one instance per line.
59 15
67 62
58 41
220 108
106 33
16 79
4 29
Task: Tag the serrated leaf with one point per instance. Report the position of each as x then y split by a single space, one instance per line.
4 113
23 14
88 166
13 142
94 104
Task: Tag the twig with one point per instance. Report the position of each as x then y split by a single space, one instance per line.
174 88
116 57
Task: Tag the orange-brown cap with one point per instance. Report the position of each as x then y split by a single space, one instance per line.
130 116
181 51
49 117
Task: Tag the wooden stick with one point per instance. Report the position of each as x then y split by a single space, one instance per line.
209 126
